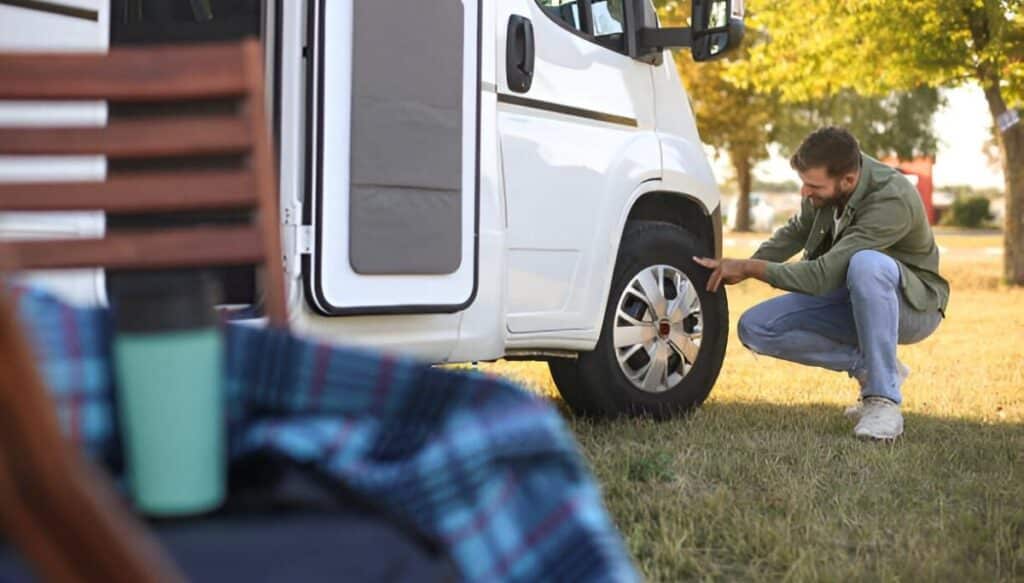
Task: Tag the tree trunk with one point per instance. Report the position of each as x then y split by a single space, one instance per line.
1011 144
742 166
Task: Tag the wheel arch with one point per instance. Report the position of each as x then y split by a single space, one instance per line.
653 202
589 384
685 211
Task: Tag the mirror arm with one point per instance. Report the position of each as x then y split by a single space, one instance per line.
660 38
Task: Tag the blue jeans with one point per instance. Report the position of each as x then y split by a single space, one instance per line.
853 329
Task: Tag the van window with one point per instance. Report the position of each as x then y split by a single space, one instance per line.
608 17
601 21
567 11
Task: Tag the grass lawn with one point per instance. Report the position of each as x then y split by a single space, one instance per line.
766 480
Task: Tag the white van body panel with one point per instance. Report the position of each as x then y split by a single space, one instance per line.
26 30
291 146
481 329
685 167
585 339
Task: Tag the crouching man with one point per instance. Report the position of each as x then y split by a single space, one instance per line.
869 278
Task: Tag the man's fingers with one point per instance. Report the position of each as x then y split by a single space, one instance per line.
714 280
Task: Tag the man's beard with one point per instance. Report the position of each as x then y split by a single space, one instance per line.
837 201
843 198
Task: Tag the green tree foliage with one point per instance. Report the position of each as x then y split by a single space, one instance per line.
970 212
739 118
819 48
732 117
898 124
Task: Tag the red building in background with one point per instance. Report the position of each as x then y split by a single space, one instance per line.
919 170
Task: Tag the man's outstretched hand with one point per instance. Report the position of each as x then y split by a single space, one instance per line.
730 271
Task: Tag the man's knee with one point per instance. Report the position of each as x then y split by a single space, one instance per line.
872 269
751 331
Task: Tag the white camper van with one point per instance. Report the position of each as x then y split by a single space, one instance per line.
460 180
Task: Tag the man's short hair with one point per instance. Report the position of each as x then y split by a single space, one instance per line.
830 147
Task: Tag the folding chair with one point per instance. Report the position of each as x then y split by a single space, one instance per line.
175 77
56 508
53 506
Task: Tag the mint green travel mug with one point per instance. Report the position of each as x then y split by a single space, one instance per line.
168 365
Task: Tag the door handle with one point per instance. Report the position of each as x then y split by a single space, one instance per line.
520 54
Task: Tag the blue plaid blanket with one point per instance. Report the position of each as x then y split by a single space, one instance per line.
473 461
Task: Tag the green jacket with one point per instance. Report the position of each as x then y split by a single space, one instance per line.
884 213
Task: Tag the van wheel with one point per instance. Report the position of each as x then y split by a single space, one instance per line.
663 337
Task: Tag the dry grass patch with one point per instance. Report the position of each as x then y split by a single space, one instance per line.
767 482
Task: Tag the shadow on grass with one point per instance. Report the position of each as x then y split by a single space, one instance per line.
764 490
824 420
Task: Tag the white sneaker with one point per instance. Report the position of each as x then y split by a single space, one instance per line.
880 419
853 412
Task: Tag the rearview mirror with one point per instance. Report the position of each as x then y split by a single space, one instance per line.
716 27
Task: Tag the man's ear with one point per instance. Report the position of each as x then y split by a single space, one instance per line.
849 181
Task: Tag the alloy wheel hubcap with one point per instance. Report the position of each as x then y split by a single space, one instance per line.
658 328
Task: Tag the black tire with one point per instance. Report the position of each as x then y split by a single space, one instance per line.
595 385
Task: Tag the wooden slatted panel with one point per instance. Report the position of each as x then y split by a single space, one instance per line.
141 138
166 249
137 193
149 74
152 74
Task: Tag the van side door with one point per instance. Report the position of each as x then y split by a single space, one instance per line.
393 184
